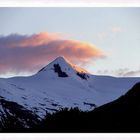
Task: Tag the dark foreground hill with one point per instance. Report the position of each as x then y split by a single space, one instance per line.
121 115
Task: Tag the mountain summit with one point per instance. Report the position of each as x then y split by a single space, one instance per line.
61 67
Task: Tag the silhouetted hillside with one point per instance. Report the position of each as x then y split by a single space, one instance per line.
122 115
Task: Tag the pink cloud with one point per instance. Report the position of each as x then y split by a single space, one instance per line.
22 53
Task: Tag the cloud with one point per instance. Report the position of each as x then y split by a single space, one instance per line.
23 53
111 32
15 40
123 72
131 73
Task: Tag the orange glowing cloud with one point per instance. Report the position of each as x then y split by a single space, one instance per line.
76 51
20 53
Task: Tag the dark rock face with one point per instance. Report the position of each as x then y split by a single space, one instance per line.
83 75
58 70
42 69
90 104
16 118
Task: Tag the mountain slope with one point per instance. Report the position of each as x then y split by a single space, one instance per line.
61 84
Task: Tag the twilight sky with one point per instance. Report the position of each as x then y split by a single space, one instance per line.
101 40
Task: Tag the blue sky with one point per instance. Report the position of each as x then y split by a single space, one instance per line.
114 30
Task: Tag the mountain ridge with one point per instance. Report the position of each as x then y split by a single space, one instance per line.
60 85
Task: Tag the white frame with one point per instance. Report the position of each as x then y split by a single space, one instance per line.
70 136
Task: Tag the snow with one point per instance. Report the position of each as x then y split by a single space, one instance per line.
47 91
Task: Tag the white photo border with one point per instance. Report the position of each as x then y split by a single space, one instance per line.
68 136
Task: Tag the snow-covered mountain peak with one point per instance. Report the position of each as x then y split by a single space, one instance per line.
63 68
58 85
61 59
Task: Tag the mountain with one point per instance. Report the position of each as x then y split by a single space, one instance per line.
121 115
58 85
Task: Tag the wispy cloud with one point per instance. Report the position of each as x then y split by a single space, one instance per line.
122 72
109 33
131 73
20 53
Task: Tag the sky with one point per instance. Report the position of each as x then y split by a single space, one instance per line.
102 40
